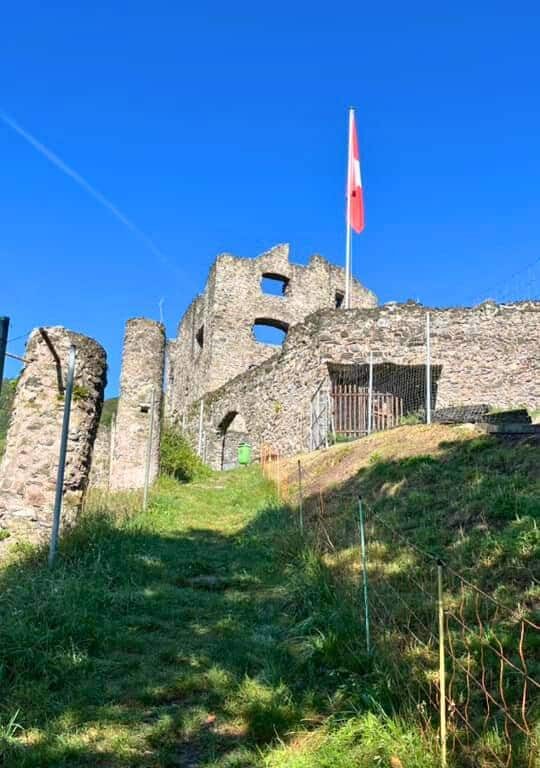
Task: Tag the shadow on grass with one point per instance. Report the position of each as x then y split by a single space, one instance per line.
125 637
116 658
475 505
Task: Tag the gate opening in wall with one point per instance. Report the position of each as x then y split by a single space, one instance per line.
351 409
340 407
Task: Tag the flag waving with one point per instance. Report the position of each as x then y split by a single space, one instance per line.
355 195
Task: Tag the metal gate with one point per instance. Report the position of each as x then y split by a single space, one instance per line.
351 406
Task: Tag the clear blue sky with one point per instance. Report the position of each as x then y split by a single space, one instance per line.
222 127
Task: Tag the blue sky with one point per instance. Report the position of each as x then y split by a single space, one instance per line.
222 127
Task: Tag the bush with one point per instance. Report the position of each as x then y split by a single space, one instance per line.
178 459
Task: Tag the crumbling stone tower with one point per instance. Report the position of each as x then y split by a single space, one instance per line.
215 340
30 462
139 405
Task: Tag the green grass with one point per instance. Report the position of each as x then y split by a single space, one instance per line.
207 632
476 506
172 638
108 411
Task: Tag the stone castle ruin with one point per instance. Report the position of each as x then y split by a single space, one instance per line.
224 384
215 340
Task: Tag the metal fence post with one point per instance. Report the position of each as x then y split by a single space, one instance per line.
442 667
364 572
428 368
4 329
68 394
149 450
370 395
300 498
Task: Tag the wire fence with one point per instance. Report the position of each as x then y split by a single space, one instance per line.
488 687
467 664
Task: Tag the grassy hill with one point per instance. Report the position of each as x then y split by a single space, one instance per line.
109 409
211 632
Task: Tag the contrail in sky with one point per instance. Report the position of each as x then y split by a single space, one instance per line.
81 181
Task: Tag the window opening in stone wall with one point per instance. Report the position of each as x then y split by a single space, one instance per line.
270 332
199 337
274 285
340 297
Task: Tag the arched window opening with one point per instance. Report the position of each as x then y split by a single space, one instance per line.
340 298
269 331
274 285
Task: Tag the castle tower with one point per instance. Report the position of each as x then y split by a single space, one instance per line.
216 338
139 405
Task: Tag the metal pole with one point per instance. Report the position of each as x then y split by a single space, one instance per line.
4 329
348 238
442 668
365 575
149 450
300 498
62 458
201 414
428 369
370 395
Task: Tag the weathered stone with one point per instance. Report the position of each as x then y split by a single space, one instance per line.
29 465
487 354
142 373
101 454
215 339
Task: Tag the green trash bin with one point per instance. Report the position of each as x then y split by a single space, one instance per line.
244 454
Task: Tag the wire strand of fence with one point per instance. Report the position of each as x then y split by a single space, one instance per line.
491 679
487 682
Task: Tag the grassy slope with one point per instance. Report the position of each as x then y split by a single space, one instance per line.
118 659
460 496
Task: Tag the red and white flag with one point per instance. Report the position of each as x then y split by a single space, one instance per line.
355 195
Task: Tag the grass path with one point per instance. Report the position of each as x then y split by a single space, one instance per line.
155 641
206 633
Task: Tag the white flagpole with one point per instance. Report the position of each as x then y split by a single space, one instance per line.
348 239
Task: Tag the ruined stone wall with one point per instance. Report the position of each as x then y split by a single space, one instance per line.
488 354
143 361
30 462
200 362
101 454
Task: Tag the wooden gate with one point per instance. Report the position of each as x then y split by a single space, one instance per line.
350 403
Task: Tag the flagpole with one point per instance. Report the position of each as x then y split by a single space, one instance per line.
348 238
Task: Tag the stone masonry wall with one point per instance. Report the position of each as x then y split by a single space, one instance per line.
30 462
215 340
101 456
142 371
488 354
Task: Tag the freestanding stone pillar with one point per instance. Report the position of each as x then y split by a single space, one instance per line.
30 462
143 362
